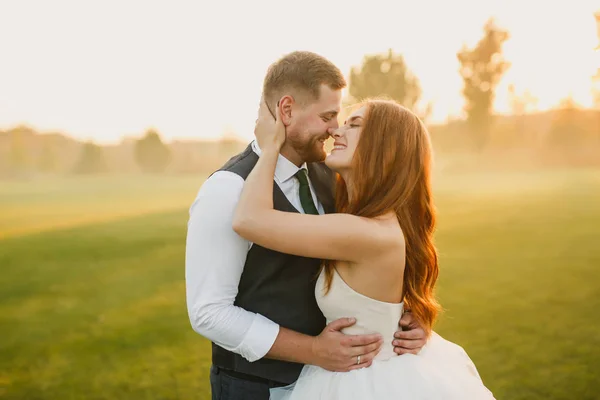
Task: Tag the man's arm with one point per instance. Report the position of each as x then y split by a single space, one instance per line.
331 350
215 258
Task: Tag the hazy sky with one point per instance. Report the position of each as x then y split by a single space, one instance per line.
194 69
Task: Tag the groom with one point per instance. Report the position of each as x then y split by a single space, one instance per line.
258 306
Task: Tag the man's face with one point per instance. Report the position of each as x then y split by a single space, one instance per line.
307 131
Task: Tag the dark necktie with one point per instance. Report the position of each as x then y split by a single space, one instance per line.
305 197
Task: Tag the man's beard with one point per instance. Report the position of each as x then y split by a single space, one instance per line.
311 150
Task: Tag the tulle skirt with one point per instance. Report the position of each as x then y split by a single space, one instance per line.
441 370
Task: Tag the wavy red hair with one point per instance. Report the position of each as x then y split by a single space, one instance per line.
392 172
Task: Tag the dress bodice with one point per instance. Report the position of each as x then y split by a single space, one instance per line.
441 370
372 316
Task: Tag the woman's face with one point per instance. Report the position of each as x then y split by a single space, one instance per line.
346 139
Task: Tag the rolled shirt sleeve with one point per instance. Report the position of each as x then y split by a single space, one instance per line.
214 260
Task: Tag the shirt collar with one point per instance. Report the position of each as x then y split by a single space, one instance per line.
285 169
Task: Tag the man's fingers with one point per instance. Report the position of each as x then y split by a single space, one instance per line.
361 365
406 320
341 323
406 317
365 359
413 334
361 350
361 340
409 344
401 350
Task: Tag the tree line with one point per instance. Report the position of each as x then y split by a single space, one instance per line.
567 132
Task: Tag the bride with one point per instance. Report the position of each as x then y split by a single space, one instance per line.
378 252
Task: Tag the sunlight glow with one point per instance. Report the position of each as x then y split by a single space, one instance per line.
106 69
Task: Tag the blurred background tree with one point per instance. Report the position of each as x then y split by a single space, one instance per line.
91 160
565 131
481 69
19 160
151 154
521 103
47 161
386 75
229 143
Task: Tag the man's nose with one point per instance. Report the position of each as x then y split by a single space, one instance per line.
334 132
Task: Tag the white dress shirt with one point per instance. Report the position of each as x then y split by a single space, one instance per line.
214 261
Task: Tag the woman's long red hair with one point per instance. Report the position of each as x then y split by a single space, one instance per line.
392 172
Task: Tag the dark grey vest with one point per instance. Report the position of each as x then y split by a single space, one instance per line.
279 286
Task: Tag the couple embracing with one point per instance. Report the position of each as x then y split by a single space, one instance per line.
313 275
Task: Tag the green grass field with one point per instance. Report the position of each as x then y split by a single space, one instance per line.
92 293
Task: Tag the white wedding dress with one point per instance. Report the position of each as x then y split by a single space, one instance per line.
441 370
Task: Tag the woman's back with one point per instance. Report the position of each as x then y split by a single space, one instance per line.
379 277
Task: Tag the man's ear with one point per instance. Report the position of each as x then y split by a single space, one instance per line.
285 106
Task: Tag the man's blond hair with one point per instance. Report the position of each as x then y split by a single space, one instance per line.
301 74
